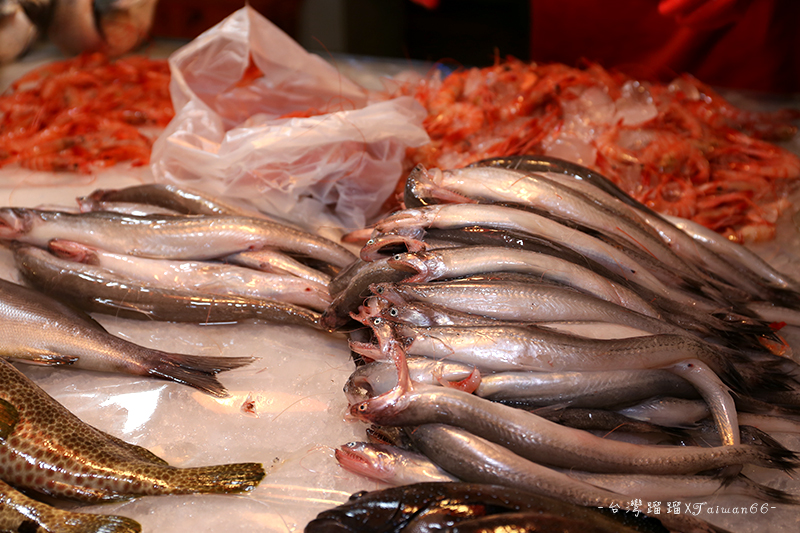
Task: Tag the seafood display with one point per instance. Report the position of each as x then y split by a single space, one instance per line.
85 114
161 266
536 344
518 310
681 149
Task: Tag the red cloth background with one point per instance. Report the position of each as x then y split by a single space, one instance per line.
743 44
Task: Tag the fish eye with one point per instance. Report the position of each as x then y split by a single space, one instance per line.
377 321
370 242
393 312
379 290
362 408
397 257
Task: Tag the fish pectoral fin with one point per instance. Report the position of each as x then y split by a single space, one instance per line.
42 357
8 419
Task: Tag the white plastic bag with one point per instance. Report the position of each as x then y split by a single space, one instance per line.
227 137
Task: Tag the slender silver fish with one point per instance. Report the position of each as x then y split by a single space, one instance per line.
536 438
38 329
478 460
205 276
97 290
164 236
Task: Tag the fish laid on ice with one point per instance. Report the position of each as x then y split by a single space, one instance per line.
45 448
97 290
35 328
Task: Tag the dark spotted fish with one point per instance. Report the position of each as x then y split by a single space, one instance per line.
22 514
45 448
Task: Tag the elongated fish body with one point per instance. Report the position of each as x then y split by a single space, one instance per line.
520 302
670 488
716 394
540 440
503 185
450 216
668 411
173 237
582 389
477 460
511 347
733 252
46 448
460 262
204 276
97 290
35 328
21 513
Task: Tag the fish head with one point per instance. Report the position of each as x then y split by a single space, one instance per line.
383 245
366 459
15 222
413 263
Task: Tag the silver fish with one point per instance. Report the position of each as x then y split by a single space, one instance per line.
477 460
459 262
204 276
162 236
38 329
97 290
389 464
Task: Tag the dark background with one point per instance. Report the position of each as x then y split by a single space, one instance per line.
469 32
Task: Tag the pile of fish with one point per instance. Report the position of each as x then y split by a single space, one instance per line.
525 323
151 252
157 252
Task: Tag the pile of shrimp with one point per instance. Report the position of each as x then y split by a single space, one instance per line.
85 113
679 148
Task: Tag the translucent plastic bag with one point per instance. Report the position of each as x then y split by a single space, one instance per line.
228 137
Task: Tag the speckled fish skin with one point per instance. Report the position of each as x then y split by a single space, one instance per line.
20 513
45 448
38 329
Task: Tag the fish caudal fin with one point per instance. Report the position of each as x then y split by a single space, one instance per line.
238 477
198 371
98 523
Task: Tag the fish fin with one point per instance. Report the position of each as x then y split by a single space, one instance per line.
762 491
198 371
42 357
138 451
240 477
8 419
98 523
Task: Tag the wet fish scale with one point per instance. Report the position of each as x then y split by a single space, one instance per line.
48 449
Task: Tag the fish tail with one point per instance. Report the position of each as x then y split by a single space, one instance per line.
98 523
197 371
238 477
781 458
762 491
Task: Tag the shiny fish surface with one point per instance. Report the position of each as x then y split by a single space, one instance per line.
47 449
97 290
157 236
38 329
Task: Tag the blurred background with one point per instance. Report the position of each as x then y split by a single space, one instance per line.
469 32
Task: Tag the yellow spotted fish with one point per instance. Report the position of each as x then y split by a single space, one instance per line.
45 448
